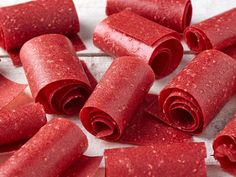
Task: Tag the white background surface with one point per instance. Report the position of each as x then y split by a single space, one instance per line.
92 12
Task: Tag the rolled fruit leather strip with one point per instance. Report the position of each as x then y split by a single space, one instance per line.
224 147
217 32
128 34
20 124
178 159
9 90
117 97
22 22
48 153
194 97
145 129
56 77
176 15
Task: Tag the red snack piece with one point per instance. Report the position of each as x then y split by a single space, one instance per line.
145 129
49 153
128 34
9 90
193 98
214 33
22 22
117 97
84 166
179 159
176 15
21 123
225 147
56 77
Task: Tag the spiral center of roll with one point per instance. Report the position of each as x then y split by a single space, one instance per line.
160 62
102 129
74 105
192 40
181 118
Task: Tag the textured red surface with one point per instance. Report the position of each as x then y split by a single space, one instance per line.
51 151
224 147
172 14
145 129
22 22
128 34
194 97
9 90
56 77
117 97
21 123
84 167
214 33
184 159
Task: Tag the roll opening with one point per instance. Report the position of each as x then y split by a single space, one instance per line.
160 63
181 118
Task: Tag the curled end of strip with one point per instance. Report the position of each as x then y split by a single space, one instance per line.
99 124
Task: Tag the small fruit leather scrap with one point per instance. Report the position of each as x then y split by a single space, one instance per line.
217 32
225 147
117 97
145 129
9 90
20 23
174 14
21 123
128 34
178 160
194 97
56 77
49 153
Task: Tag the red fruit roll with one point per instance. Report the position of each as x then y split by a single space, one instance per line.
128 34
194 97
224 147
117 97
175 14
49 153
56 77
21 123
165 160
217 32
20 23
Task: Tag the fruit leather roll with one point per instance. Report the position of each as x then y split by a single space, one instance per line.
56 77
217 32
21 123
165 160
49 153
117 97
128 34
194 97
224 147
19 23
176 15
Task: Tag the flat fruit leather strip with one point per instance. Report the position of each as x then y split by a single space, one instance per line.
145 129
224 147
9 90
128 34
84 167
217 32
20 23
117 97
48 153
91 78
178 160
56 77
20 124
175 14
194 97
